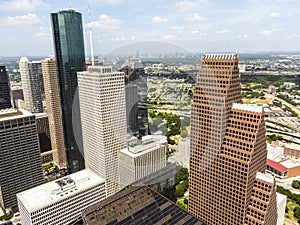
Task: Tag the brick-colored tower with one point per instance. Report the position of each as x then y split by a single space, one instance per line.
228 145
54 112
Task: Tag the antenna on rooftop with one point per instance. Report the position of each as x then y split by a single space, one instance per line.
91 38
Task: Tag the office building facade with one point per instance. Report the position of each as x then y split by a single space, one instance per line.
43 130
228 147
69 54
21 167
5 100
61 201
136 98
103 116
141 159
32 83
52 94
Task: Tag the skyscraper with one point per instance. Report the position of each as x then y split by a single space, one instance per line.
103 116
51 85
32 83
5 101
21 166
228 150
136 98
69 53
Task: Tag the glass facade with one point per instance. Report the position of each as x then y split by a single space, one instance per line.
70 58
4 89
136 98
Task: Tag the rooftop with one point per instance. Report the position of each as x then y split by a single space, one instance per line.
265 177
11 113
290 163
51 192
220 56
41 115
275 153
276 165
137 205
246 107
141 148
292 146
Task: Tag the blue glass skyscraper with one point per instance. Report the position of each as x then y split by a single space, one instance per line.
70 58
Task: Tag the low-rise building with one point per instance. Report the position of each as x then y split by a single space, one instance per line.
279 163
61 201
292 150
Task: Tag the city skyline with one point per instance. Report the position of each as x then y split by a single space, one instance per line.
198 26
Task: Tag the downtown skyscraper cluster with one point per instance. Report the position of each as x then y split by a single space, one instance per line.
87 119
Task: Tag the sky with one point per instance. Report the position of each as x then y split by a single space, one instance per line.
195 25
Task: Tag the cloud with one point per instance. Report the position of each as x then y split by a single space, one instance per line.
113 1
198 33
196 17
224 31
158 19
44 33
177 27
23 5
269 32
106 23
285 0
186 5
167 37
117 39
274 14
28 19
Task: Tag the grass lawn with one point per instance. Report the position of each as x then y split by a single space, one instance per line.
290 215
256 101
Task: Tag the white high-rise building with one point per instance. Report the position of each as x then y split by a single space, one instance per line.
141 159
32 83
103 117
61 201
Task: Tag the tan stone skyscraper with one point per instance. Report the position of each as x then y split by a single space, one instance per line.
54 111
228 150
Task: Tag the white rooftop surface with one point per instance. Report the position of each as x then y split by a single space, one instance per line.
246 107
19 113
290 163
45 194
275 153
141 149
157 137
293 146
40 115
265 177
267 110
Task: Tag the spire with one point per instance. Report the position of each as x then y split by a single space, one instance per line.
91 37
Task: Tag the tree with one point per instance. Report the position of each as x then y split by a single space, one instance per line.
181 175
296 184
297 212
185 201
